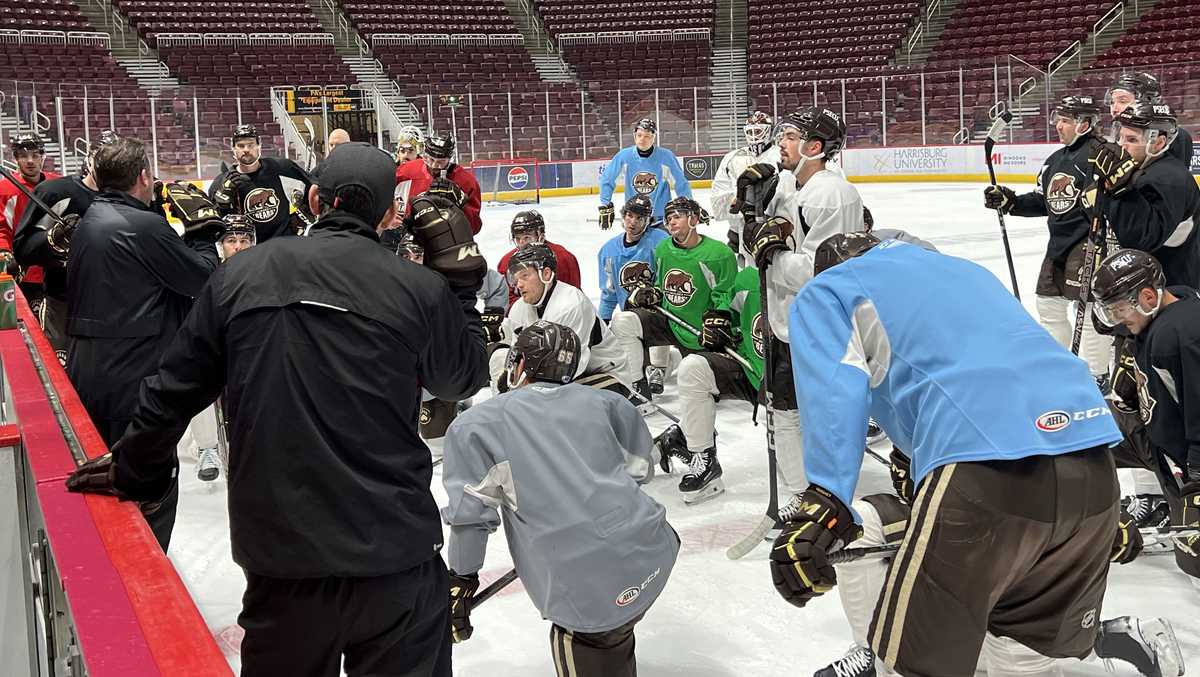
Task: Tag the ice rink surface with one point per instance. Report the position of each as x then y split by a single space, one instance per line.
716 618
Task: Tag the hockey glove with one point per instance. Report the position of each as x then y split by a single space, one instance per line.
97 476
190 205
1187 549
606 216
800 566
1000 198
493 324
704 218
449 190
233 189
1128 543
756 175
716 330
901 472
765 239
58 236
445 233
8 263
645 296
735 241
1115 167
462 590
868 219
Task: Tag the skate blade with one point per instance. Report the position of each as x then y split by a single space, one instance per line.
1166 650
710 491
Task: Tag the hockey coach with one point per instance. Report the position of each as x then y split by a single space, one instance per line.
323 344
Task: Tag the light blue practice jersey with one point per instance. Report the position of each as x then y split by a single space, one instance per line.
939 352
614 256
645 176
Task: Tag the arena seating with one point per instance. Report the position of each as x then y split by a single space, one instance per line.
581 16
56 15
429 16
221 16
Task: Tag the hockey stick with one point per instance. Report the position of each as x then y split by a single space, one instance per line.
495 587
597 381
1178 531
1003 117
37 201
729 352
1091 261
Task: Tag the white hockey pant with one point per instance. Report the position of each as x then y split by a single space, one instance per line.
1056 314
203 429
789 452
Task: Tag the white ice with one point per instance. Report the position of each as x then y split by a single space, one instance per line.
716 618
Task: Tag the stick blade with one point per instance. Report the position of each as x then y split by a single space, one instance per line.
750 542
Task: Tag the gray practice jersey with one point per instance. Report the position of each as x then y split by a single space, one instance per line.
562 463
494 290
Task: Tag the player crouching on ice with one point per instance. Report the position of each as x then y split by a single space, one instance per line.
567 487
1009 442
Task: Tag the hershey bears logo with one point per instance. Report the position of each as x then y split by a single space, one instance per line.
1145 401
678 287
644 183
1061 193
262 205
635 273
758 334
426 414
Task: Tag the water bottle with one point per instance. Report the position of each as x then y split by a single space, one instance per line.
8 302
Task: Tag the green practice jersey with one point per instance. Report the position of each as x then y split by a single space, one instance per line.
693 281
747 307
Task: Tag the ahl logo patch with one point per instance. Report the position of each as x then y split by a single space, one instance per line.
678 287
1053 421
644 183
262 205
627 596
1061 193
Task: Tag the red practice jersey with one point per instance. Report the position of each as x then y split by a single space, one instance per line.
413 178
12 206
568 268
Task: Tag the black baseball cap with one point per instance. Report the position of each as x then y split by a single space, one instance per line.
359 178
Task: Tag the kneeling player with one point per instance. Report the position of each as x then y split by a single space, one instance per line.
529 227
593 568
1009 438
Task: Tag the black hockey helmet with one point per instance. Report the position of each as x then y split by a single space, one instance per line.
841 247
392 238
237 224
439 147
1119 280
244 132
1156 119
757 130
818 123
646 124
1141 85
639 205
107 137
1079 108
551 353
682 204
27 142
537 256
528 222
409 248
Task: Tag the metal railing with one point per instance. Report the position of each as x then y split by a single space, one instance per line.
225 39
1111 16
1073 51
633 36
917 38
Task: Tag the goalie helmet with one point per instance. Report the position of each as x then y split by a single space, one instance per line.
244 132
757 131
528 222
1120 279
26 142
550 351
842 247
439 147
409 138
817 123
1154 119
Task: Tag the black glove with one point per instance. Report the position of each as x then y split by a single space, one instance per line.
704 218
767 238
59 235
606 216
735 241
493 321
716 330
1128 542
1187 549
757 176
233 190
462 590
1115 167
158 202
8 262
901 472
868 219
449 190
444 231
800 566
1000 198
645 296
97 476
190 205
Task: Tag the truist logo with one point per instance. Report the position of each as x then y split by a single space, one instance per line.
1053 421
696 166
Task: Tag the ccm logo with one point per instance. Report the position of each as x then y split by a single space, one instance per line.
1053 421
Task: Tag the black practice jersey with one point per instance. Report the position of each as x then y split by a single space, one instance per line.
267 205
1059 195
1168 377
1157 214
65 195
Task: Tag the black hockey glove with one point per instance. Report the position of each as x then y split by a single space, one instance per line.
97 476
493 324
645 296
462 590
716 330
444 231
1123 384
765 239
233 190
449 190
158 203
1115 167
755 179
900 468
800 566
734 239
1000 198
58 236
607 215
1128 542
1187 549
8 262
868 219
190 205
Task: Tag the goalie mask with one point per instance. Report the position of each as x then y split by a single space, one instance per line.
757 131
551 353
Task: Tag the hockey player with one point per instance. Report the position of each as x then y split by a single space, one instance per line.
30 155
592 567
259 187
532 271
409 144
43 241
1060 187
528 227
693 279
646 168
238 235
437 173
1132 87
758 149
628 257
1009 438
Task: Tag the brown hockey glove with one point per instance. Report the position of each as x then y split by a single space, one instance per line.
444 231
900 468
1128 542
607 216
1115 167
234 188
462 593
97 476
493 324
766 239
191 206
645 296
1000 198
58 236
449 190
755 187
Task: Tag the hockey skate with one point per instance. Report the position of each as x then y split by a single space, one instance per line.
655 376
702 481
641 397
671 444
209 467
874 432
1147 510
1149 645
860 662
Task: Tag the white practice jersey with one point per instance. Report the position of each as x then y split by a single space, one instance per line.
827 204
568 306
724 185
